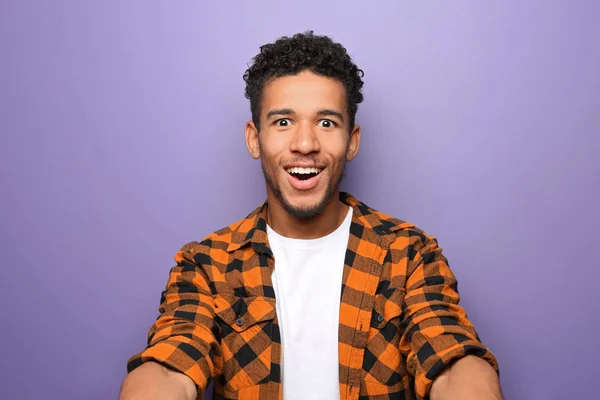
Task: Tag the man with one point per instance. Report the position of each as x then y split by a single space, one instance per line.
314 295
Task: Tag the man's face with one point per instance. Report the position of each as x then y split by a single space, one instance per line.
304 141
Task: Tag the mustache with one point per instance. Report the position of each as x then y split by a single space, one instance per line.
305 160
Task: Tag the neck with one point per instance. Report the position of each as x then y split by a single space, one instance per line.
321 225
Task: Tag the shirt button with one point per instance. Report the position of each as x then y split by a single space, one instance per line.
379 317
239 322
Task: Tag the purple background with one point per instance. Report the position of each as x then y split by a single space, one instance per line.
122 139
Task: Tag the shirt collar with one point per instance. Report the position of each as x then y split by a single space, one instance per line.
253 229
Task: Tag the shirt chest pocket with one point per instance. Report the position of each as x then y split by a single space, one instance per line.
383 361
246 339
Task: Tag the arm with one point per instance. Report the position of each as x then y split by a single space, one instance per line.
468 378
438 333
182 346
154 381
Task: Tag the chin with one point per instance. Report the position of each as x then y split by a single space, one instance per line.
304 199
305 207
300 204
304 213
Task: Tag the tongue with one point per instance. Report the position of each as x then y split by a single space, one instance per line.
304 177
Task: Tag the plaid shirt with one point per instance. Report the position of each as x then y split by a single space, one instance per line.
400 324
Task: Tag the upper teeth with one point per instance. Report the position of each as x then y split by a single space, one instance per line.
301 170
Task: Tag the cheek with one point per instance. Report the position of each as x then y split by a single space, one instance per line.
272 149
335 148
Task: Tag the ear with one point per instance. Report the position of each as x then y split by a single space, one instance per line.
353 143
252 144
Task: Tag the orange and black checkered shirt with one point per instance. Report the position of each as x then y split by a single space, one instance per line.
400 322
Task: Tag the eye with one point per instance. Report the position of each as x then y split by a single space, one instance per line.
283 122
326 123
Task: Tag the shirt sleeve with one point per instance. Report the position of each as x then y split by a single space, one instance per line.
437 330
182 337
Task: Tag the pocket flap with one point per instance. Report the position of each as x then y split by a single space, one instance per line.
242 312
388 305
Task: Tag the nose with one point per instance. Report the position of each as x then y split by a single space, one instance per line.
305 140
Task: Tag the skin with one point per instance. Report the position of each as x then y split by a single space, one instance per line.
294 129
152 381
470 378
307 135
304 121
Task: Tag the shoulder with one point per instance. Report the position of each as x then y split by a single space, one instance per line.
217 240
413 244
405 233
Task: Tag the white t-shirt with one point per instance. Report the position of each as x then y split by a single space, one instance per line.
307 280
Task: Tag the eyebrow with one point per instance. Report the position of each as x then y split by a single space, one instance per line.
333 113
280 111
289 111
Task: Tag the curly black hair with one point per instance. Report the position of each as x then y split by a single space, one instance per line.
303 51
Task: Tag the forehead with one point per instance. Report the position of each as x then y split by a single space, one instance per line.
304 92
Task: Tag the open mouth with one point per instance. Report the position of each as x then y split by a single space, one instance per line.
302 173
